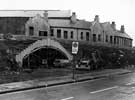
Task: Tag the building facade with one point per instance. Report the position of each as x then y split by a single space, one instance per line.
64 27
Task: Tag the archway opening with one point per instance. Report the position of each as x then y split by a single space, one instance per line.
44 57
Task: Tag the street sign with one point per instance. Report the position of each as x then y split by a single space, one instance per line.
75 47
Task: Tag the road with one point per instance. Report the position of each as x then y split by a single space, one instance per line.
120 87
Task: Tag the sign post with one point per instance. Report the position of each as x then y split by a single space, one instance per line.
75 47
74 52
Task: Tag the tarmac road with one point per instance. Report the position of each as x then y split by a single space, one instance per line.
120 87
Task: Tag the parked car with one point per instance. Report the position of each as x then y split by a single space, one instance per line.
83 64
61 62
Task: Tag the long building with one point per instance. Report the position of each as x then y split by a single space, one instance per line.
57 29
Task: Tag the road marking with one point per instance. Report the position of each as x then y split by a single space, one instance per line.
130 83
67 98
104 89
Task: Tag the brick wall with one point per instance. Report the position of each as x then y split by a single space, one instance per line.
14 25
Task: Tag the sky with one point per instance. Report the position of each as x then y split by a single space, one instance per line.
120 11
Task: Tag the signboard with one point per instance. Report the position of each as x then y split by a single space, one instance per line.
75 47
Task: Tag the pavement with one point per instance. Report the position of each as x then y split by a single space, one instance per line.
54 81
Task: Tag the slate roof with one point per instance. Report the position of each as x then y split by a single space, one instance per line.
107 26
118 33
67 23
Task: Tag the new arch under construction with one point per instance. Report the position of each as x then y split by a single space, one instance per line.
42 51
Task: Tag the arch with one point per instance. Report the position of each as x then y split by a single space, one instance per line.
41 44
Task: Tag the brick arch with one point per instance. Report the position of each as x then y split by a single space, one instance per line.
41 44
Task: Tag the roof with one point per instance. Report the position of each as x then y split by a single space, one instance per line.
96 26
118 33
107 27
32 13
67 23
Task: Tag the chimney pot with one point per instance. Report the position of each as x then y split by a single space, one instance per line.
46 15
73 17
122 29
113 25
96 18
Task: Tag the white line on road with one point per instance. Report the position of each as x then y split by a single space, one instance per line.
67 98
104 89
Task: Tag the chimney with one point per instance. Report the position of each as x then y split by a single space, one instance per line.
122 29
73 17
96 18
113 25
46 15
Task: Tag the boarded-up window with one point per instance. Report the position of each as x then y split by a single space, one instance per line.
43 33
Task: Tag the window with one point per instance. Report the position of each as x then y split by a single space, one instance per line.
114 40
45 33
65 34
52 32
99 37
59 33
106 38
81 35
111 39
125 41
31 30
94 37
122 41
87 36
71 36
117 40
42 33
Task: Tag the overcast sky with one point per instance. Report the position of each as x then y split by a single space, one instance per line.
120 11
